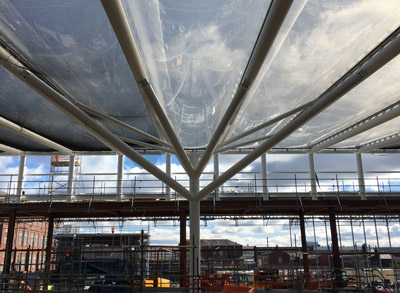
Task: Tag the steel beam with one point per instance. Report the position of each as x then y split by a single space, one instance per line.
272 24
120 176
10 150
313 179
264 176
119 21
32 135
122 124
71 177
216 174
380 143
96 129
361 181
168 171
230 147
378 118
145 144
266 124
49 246
369 65
20 183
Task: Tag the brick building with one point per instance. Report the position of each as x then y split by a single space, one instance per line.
29 243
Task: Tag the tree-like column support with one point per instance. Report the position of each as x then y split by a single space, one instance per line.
183 244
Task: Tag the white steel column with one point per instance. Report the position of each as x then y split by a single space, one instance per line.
168 171
21 171
264 176
71 176
361 182
120 176
194 217
216 174
313 179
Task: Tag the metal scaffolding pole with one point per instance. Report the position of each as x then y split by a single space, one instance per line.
9 243
49 246
168 171
306 263
182 264
338 279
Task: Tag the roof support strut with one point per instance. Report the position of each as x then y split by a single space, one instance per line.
11 150
118 19
276 15
374 120
33 136
380 143
378 58
95 128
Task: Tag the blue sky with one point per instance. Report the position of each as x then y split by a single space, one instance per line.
251 232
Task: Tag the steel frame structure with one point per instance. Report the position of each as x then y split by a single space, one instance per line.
195 161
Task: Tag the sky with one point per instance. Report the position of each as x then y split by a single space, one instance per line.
245 232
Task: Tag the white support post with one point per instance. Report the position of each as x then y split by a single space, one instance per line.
194 217
71 176
264 176
313 179
216 174
361 182
168 171
120 175
21 171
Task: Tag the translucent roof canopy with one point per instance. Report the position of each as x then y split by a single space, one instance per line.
199 74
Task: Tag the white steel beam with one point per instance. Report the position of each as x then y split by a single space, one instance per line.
389 113
122 124
10 150
380 143
216 174
369 65
120 176
266 124
21 173
313 179
71 177
168 171
276 15
95 128
230 147
264 176
145 144
119 21
361 181
33 136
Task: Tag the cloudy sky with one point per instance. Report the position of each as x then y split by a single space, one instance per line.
245 232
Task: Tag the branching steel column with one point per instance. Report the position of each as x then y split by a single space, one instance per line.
340 88
9 243
21 171
313 178
276 15
335 250
264 176
96 129
306 264
119 21
120 176
361 182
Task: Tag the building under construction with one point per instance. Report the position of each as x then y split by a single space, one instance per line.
274 112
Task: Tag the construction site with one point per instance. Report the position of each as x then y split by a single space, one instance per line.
199 146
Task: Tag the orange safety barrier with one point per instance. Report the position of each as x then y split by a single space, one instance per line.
236 289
